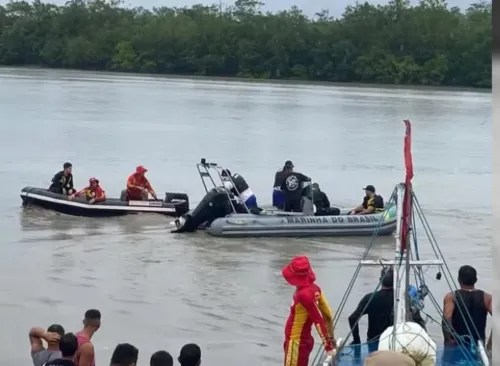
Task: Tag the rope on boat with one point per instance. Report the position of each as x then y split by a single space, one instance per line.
468 347
321 352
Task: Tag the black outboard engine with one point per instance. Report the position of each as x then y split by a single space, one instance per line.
215 204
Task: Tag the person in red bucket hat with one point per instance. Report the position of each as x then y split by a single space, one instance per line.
138 186
309 307
93 193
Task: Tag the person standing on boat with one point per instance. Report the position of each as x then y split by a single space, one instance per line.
465 311
93 193
62 182
291 185
238 186
379 306
309 307
372 203
138 186
39 354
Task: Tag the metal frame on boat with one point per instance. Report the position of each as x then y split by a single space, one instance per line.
405 336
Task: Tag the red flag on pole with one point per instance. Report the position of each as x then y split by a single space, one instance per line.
407 198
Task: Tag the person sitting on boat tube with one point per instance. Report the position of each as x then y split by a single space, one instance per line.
92 193
309 307
138 186
322 203
238 186
372 203
62 182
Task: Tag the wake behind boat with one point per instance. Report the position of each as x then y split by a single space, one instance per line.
222 216
174 204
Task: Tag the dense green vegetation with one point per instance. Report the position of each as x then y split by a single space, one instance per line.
428 44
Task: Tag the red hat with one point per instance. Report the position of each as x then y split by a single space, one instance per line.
92 180
299 272
140 170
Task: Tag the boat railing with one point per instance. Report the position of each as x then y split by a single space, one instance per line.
206 169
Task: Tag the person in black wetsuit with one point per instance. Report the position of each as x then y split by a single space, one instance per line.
62 182
322 203
465 310
291 185
239 187
379 308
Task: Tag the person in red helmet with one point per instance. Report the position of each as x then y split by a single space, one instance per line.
93 193
309 307
138 186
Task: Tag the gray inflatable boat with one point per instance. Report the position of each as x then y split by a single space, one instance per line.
220 215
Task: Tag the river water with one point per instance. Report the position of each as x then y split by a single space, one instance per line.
158 290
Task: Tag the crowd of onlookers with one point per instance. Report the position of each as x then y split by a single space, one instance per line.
76 349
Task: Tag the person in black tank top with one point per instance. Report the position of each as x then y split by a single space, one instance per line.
465 311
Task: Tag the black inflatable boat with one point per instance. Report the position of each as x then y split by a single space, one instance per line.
174 204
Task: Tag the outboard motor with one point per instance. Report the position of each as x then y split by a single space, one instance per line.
215 204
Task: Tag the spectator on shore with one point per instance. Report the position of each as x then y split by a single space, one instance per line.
124 354
68 345
190 355
85 356
161 358
39 354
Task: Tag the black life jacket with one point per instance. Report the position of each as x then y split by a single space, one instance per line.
240 184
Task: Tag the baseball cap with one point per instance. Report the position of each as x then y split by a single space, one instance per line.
288 164
369 188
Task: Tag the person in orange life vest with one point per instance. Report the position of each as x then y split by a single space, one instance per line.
138 186
93 193
309 307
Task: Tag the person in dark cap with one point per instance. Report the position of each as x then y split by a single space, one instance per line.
322 203
62 182
291 184
190 355
371 204
465 311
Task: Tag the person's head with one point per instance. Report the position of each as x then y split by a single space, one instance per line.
226 173
369 191
140 170
299 272
124 354
92 320
55 328
315 186
93 182
161 358
190 355
68 344
288 166
467 276
387 277
67 167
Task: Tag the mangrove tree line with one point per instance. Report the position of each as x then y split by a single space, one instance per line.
427 44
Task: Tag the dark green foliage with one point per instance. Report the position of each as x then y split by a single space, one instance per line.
427 44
